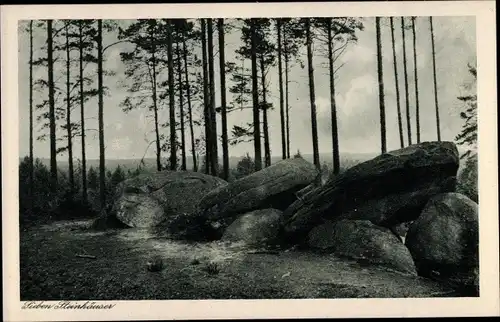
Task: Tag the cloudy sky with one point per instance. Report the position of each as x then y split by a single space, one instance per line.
128 135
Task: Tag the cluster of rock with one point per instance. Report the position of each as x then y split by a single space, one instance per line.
357 214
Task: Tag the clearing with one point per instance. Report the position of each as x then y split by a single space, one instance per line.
50 270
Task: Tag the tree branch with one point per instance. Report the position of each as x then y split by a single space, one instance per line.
115 43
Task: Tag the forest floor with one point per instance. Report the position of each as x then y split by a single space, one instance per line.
50 270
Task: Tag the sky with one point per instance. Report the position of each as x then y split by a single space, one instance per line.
127 135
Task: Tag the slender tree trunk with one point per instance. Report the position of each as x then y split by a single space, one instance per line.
206 108
213 120
100 84
222 65
171 90
435 81
333 104
31 161
181 108
82 114
52 117
280 81
190 110
398 104
287 105
312 95
381 88
255 99
417 107
407 100
68 115
267 148
155 103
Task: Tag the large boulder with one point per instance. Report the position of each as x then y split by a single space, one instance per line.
387 190
272 187
362 240
400 207
444 240
256 228
150 199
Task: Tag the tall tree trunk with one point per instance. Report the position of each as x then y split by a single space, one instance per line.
287 105
335 134
435 81
417 107
213 120
68 115
181 109
255 99
52 117
280 81
82 113
407 100
400 121
31 163
100 84
206 100
222 65
381 101
155 103
171 93
190 109
312 95
265 124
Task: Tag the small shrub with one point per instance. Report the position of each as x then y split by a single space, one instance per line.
212 268
154 264
244 167
297 155
195 261
467 183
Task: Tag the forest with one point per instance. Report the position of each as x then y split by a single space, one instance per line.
171 67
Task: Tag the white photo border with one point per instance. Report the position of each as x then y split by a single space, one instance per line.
486 304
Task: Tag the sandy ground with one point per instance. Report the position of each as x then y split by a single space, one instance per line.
50 270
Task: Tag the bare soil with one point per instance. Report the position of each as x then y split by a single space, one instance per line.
50 270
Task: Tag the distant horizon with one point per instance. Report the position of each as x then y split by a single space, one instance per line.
460 148
167 156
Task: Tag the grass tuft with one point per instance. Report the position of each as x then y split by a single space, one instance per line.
212 268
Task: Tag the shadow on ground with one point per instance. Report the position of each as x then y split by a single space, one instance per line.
51 270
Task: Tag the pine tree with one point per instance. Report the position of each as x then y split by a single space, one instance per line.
52 116
396 83
142 66
438 126
181 106
280 81
415 68
293 40
86 46
214 162
468 136
266 58
337 34
206 99
188 95
222 67
31 164
68 110
173 139
100 86
255 95
381 88
407 100
312 94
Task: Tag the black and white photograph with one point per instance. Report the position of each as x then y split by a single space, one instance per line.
253 154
